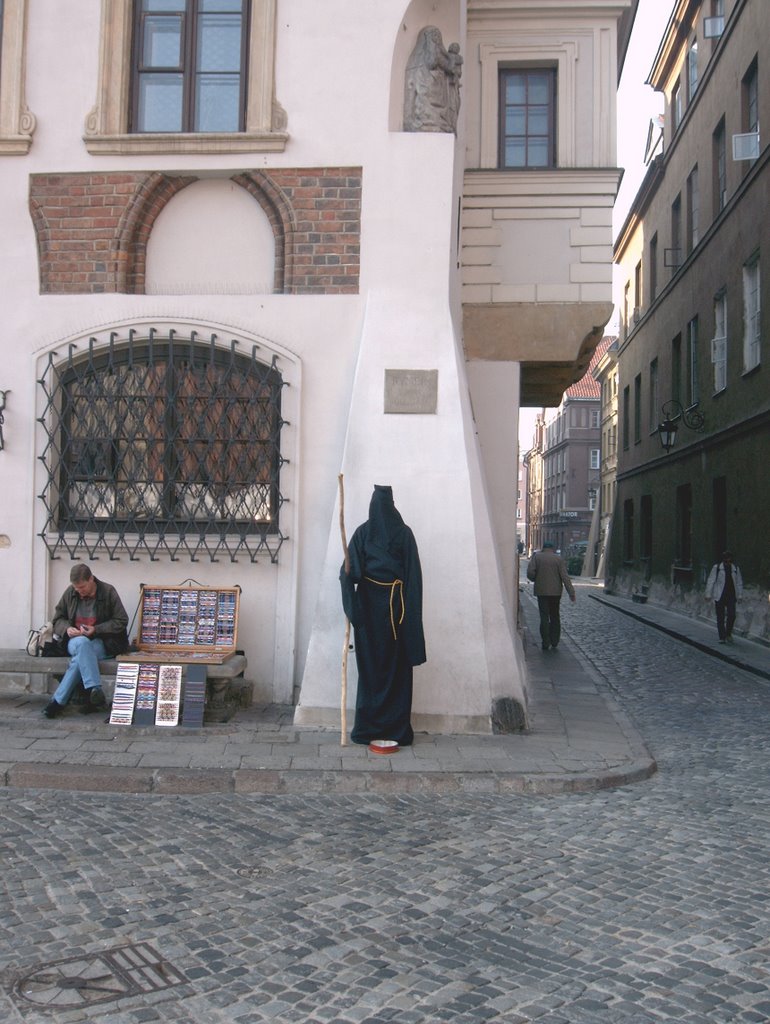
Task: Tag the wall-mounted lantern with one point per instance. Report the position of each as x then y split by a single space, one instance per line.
673 413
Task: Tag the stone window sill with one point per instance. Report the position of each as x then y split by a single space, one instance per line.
15 145
187 142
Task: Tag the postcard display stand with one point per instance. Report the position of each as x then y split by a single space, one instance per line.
192 626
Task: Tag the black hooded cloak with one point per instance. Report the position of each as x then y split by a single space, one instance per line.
382 597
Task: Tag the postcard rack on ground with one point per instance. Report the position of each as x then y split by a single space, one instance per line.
192 624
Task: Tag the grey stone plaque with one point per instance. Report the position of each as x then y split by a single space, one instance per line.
411 391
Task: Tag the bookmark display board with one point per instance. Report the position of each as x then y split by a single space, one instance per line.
194 696
124 696
187 624
169 694
151 694
146 695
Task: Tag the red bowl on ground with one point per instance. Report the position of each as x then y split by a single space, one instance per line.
383 746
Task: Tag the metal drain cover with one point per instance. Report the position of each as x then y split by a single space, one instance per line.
100 978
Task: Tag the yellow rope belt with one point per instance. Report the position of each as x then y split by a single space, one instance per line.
393 584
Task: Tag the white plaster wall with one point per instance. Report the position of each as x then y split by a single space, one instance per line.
213 237
431 461
333 78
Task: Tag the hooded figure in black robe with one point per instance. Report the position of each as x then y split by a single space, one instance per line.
382 597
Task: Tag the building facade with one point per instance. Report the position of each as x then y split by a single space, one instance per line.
521 506
572 463
606 375
533 460
693 350
246 251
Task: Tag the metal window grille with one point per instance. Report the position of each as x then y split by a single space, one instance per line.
162 446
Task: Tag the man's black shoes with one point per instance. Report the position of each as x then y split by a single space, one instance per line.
96 701
52 709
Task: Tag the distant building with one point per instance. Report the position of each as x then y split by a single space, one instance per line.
521 505
605 372
693 354
565 465
533 460
572 462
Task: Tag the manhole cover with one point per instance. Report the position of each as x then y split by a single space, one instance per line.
100 978
253 872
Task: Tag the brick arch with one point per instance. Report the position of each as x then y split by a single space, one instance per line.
43 239
280 213
151 196
92 228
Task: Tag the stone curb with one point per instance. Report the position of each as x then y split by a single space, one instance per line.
731 659
203 781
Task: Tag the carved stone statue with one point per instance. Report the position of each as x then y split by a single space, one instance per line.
432 85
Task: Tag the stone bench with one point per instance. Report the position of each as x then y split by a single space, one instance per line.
226 689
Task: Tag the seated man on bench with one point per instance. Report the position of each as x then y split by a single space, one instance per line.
91 619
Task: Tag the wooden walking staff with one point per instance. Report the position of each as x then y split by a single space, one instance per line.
344 688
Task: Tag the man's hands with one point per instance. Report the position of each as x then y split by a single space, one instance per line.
81 631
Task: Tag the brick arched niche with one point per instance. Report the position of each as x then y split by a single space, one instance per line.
92 229
197 273
211 238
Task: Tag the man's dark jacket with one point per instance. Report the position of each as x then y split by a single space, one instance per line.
111 618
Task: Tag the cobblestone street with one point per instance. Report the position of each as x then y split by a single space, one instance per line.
645 903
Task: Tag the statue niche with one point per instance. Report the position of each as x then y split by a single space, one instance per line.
432 84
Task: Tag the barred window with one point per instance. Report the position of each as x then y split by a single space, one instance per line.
160 445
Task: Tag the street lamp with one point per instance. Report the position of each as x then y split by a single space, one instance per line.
667 434
673 412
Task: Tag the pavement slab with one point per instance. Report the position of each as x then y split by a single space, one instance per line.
581 738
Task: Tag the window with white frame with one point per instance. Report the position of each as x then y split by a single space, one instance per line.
676 235
692 70
750 112
751 315
693 386
719 150
653 266
719 342
676 106
519 54
595 458
654 398
693 210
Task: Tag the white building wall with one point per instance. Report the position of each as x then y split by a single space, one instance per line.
333 79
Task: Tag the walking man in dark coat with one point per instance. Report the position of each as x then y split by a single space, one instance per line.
548 572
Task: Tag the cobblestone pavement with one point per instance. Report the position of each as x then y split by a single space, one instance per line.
647 903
